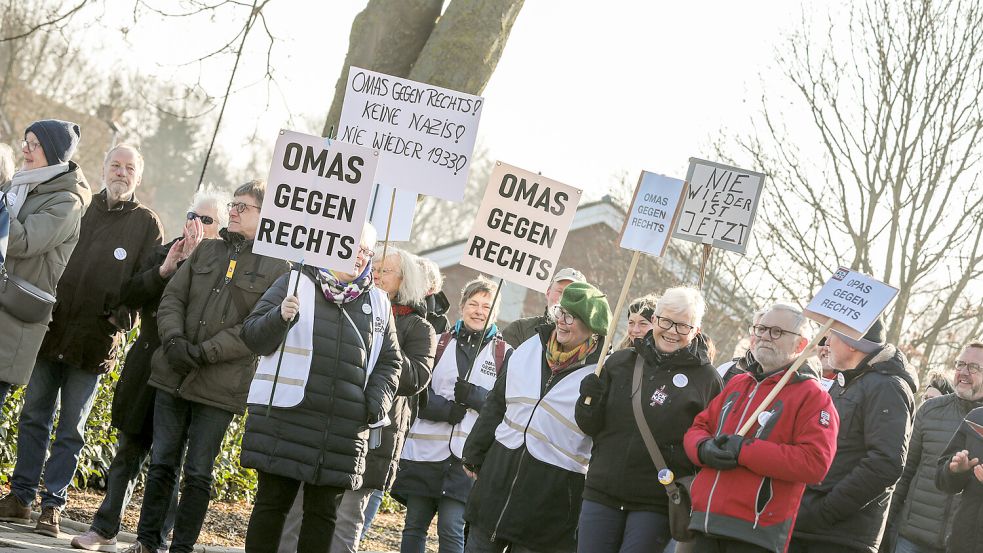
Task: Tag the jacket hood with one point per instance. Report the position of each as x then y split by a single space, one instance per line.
233 237
693 355
887 360
72 181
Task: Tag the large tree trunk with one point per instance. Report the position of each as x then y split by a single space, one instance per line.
387 36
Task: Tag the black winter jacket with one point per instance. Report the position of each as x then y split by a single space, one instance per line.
876 407
919 511
675 388
323 439
517 498
967 524
417 343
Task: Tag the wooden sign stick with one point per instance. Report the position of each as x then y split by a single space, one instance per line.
613 324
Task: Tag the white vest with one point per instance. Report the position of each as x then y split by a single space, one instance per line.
546 426
428 440
295 367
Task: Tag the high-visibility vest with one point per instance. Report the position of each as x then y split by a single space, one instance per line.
544 424
298 352
434 440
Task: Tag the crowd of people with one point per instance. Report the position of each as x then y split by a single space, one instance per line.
357 384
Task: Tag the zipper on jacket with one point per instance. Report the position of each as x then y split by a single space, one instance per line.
228 280
327 427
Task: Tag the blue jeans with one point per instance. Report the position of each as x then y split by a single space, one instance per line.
175 420
76 389
372 509
905 546
131 454
608 530
450 524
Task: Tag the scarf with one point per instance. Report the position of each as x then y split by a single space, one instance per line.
559 360
342 292
24 182
400 310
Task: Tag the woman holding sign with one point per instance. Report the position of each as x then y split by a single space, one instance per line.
531 455
669 375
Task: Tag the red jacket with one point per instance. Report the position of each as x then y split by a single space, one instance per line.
757 502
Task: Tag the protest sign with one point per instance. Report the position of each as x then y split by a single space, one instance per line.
853 300
316 201
403 209
522 223
719 206
425 134
654 209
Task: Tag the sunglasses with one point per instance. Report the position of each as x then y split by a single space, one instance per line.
205 219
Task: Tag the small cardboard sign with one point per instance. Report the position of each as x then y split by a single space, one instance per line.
654 209
403 210
853 300
720 205
425 133
522 223
316 201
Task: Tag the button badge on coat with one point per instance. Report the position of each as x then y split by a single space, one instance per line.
367 309
763 417
680 380
119 253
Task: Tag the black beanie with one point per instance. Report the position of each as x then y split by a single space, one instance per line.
59 139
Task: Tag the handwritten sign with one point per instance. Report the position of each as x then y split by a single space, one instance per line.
654 209
522 223
720 205
425 133
853 300
316 201
403 210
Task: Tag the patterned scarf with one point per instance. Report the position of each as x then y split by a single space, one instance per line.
559 360
342 292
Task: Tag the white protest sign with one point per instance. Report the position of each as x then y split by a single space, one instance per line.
720 205
316 201
654 209
853 300
403 210
425 133
522 223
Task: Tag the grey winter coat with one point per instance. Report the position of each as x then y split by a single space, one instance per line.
42 238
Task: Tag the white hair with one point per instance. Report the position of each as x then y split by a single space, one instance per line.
212 196
435 280
801 324
369 236
136 155
683 299
7 167
413 287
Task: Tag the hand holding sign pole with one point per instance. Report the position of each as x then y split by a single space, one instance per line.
654 209
849 303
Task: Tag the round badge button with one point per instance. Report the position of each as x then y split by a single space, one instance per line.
680 380
666 477
119 253
763 417
840 379
367 309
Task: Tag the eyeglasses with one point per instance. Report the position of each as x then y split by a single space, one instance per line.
31 146
971 368
384 272
681 328
240 206
366 252
205 219
561 315
773 332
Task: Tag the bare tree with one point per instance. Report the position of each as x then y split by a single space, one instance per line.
895 102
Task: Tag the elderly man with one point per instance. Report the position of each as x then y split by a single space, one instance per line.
921 515
82 340
874 395
522 329
747 495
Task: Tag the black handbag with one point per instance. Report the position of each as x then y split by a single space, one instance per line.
25 301
680 504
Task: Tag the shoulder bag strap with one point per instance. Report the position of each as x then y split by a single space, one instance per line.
645 431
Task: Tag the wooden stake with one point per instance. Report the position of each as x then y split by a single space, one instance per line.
389 224
613 324
707 250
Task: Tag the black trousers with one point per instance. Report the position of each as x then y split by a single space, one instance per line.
274 496
810 546
706 544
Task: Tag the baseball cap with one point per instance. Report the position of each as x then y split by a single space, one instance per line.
569 274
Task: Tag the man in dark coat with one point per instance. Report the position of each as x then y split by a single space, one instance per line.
874 396
83 340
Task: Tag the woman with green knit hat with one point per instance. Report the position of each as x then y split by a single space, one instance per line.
526 448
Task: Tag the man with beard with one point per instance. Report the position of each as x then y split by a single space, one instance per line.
747 495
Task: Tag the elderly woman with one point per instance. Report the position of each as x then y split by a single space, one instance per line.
640 312
431 479
531 455
45 199
309 424
625 505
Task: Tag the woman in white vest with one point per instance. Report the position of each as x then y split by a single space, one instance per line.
431 480
531 455
309 420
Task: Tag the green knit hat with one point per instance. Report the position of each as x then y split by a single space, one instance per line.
587 304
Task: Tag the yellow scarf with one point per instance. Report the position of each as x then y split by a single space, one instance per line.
559 360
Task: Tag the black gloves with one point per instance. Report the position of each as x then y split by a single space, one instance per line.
593 387
182 356
462 391
457 413
721 452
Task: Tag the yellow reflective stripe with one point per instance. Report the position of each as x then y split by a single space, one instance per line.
303 352
418 436
573 456
281 380
526 400
556 414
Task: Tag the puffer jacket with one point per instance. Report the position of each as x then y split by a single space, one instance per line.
323 439
919 511
204 305
967 523
41 240
876 408
417 344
